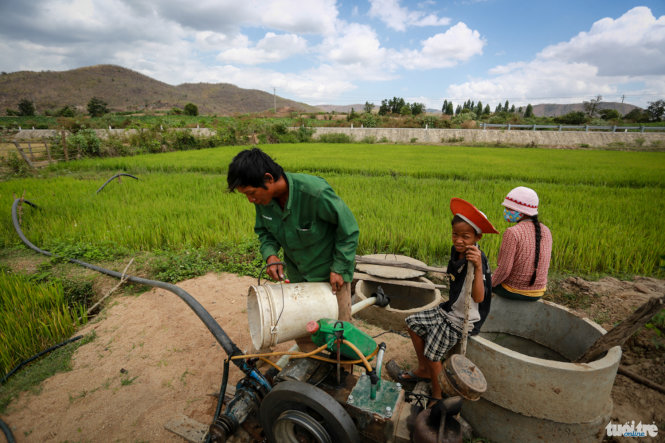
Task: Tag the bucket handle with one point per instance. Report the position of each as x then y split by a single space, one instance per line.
266 267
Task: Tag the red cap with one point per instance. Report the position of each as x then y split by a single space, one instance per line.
472 216
312 326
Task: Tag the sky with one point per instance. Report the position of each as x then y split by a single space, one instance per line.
348 52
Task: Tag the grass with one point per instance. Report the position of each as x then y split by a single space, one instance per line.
595 167
191 219
30 380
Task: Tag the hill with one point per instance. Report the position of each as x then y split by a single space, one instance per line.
554 110
344 109
127 90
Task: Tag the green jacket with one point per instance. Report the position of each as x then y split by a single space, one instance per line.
316 229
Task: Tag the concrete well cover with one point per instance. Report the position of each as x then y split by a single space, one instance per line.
391 271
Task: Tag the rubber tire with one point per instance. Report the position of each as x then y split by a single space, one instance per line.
296 395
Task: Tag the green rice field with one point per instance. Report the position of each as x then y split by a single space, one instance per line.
604 207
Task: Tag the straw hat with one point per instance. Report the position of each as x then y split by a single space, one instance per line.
521 199
472 216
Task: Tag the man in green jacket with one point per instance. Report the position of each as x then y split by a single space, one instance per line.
302 215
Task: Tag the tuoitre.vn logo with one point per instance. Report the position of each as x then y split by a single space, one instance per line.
631 430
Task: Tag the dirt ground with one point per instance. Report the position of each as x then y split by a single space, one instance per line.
153 360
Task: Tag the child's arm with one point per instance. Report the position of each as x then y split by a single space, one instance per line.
474 256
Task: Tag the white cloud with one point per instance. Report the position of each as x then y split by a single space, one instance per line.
355 44
399 18
633 44
622 56
457 44
228 16
272 48
539 80
312 85
215 41
311 16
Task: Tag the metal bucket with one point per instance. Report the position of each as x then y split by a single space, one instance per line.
280 312
459 376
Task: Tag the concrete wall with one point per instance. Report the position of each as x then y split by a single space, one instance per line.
564 139
513 137
39 134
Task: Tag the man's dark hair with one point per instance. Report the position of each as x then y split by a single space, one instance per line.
249 167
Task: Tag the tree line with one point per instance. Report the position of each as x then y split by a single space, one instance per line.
96 107
472 110
654 112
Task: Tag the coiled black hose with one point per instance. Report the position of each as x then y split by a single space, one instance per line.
215 329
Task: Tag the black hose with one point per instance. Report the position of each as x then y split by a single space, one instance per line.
45 351
7 432
222 393
117 175
227 344
5 428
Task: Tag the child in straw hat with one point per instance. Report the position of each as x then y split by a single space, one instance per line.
435 331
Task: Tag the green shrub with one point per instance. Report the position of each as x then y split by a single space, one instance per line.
86 142
227 136
16 165
572 118
191 109
153 146
335 138
113 146
182 140
182 266
430 121
369 120
304 134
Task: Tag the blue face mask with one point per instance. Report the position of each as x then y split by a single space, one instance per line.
512 216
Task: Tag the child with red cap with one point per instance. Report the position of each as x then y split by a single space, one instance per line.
435 331
526 248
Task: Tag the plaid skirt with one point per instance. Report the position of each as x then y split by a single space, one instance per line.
436 330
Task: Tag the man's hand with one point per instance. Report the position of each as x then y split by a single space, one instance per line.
336 281
275 272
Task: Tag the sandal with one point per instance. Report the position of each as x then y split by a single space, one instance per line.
402 376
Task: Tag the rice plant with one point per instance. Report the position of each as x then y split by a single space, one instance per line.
602 206
33 317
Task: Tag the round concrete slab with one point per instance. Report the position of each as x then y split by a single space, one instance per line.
391 271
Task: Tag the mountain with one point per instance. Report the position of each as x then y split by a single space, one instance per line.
554 110
342 108
126 90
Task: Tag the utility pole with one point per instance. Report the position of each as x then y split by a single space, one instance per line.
274 100
623 96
